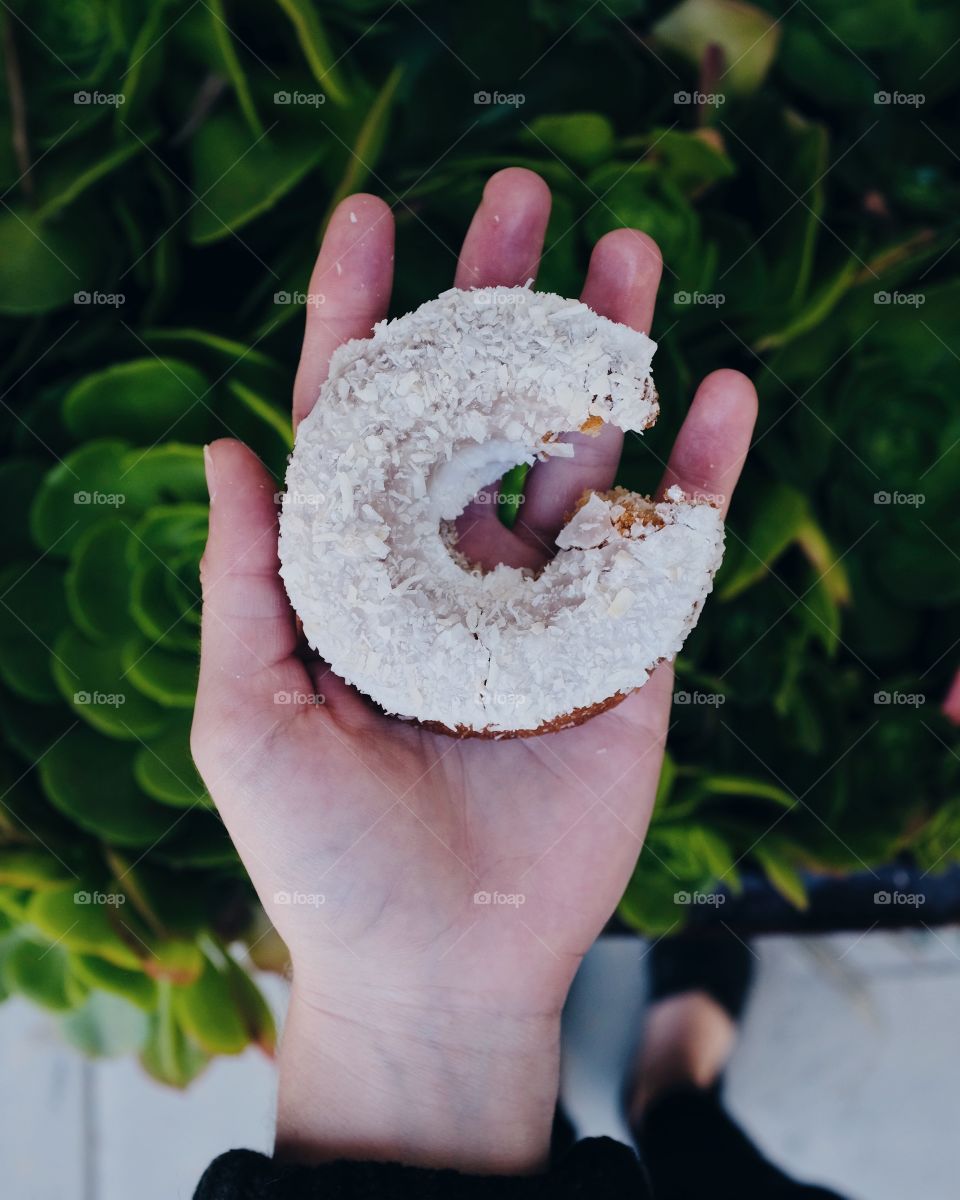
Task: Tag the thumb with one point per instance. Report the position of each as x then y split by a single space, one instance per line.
248 627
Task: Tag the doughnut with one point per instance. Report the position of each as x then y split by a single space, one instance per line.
408 426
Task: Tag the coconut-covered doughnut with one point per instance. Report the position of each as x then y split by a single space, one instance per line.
409 425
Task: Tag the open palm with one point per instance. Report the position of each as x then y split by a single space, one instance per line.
385 853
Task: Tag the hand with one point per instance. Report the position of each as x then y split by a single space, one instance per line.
424 1024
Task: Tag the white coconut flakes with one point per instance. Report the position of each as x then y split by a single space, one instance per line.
409 425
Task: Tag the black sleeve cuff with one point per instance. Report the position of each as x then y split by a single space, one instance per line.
595 1167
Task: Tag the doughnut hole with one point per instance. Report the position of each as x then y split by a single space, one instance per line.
488 528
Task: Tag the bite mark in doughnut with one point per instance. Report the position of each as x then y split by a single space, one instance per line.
410 424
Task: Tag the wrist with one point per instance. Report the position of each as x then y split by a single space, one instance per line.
441 1085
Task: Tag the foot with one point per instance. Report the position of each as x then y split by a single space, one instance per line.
697 989
688 1040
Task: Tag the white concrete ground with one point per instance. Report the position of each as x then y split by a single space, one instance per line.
847 1074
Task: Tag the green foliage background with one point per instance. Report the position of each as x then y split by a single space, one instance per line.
149 257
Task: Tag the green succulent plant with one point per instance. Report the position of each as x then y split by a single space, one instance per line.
167 169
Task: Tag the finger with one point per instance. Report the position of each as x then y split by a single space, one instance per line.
713 441
505 239
248 626
951 702
621 284
623 278
482 538
349 290
706 460
502 247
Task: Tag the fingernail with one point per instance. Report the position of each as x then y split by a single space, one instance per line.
211 472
